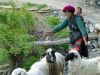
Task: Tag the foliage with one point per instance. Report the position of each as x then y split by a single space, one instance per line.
3 57
37 52
15 38
38 6
14 28
53 21
28 63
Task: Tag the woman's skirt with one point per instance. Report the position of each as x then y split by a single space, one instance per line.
78 43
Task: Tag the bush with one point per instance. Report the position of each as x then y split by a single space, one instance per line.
28 63
15 39
35 55
3 57
14 26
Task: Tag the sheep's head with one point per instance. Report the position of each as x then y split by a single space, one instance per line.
73 54
50 55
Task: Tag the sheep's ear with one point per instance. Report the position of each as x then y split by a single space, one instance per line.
69 56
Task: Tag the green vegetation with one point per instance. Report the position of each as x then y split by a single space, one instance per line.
53 21
37 6
15 37
14 28
28 63
3 57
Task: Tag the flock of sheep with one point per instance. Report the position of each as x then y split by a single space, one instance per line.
53 64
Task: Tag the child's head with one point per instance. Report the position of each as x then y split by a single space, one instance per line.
78 10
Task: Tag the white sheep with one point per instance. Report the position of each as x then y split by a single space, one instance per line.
57 67
51 64
38 68
19 71
81 66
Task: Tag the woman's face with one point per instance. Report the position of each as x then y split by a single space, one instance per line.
68 14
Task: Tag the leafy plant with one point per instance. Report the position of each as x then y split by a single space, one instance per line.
38 6
28 63
53 21
15 26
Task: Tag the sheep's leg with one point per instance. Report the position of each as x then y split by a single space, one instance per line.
62 72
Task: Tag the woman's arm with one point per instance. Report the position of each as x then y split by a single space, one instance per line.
61 26
82 28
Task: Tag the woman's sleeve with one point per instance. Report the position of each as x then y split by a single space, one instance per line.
61 26
81 26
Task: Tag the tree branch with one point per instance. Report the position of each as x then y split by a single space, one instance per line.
4 66
61 41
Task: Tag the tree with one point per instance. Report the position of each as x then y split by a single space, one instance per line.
15 26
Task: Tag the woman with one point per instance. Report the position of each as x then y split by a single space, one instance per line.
78 34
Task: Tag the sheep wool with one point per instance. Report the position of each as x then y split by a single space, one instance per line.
80 66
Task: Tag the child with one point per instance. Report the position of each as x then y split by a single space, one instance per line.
79 11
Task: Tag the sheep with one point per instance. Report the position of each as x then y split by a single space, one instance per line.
37 68
56 60
51 64
81 66
19 71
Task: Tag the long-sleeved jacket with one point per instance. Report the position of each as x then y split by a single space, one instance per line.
65 23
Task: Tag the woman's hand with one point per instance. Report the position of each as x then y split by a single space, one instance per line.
86 43
48 33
